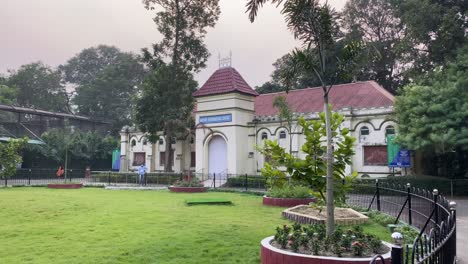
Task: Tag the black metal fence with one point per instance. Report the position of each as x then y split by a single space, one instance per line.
39 177
428 211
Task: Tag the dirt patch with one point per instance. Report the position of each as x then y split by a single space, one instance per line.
305 214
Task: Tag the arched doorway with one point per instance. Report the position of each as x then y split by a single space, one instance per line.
217 156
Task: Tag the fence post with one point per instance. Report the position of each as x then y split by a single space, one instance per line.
397 255
108 177
246 182
214 180
453 207
410 218
377 192
435 192
29 177
6 181
71 174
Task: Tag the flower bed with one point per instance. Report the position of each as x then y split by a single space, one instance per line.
181 189
64 185
310 244
271 254
287 202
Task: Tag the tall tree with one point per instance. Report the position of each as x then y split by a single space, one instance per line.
433 113
316 26
106 80
376 23
39 86
436 29
166 102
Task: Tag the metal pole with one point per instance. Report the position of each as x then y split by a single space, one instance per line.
377 194
435 192
246 182
453 207
214 180
397 255
410 218
108 177
29 177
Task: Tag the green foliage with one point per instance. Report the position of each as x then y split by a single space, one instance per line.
311 170
106 80
434 38
408 232
289 191
10 156
432 114
376 23
8 95
381 218
192 182
39 86
87 146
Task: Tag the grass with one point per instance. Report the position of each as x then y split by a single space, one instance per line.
90 225
208 201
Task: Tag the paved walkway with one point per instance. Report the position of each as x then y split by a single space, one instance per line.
462 230
136 188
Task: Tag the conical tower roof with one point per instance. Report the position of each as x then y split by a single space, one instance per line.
225 80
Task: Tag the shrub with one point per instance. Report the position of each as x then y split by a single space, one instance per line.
409 233
381 218
289 192
192 182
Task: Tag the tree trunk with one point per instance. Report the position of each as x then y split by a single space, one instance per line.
168 149
330 200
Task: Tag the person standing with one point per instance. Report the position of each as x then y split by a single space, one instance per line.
141 173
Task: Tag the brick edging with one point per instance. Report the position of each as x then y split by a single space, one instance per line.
64 185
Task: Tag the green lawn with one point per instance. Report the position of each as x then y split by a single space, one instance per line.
91 225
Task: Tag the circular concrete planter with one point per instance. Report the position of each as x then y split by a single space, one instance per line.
64 185
287 202
271 254
187 189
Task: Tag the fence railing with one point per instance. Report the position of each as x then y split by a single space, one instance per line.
428 211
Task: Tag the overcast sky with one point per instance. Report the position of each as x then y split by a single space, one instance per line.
55 30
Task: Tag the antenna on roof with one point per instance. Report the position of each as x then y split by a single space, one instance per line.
226 61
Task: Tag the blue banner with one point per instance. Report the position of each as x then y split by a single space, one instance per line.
215 119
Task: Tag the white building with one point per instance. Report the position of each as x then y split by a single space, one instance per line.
232 119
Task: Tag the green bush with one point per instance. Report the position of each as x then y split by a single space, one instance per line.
257 182
289 191
408 232
381 218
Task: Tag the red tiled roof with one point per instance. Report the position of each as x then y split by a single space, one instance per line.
356 95
225 80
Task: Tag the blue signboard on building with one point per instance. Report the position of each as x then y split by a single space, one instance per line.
215 119
402 159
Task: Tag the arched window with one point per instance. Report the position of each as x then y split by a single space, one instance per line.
390 130
133 142
145 142
264 135
364 131
282 134
173 140
161 141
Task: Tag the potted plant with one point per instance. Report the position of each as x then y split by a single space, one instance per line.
188 185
